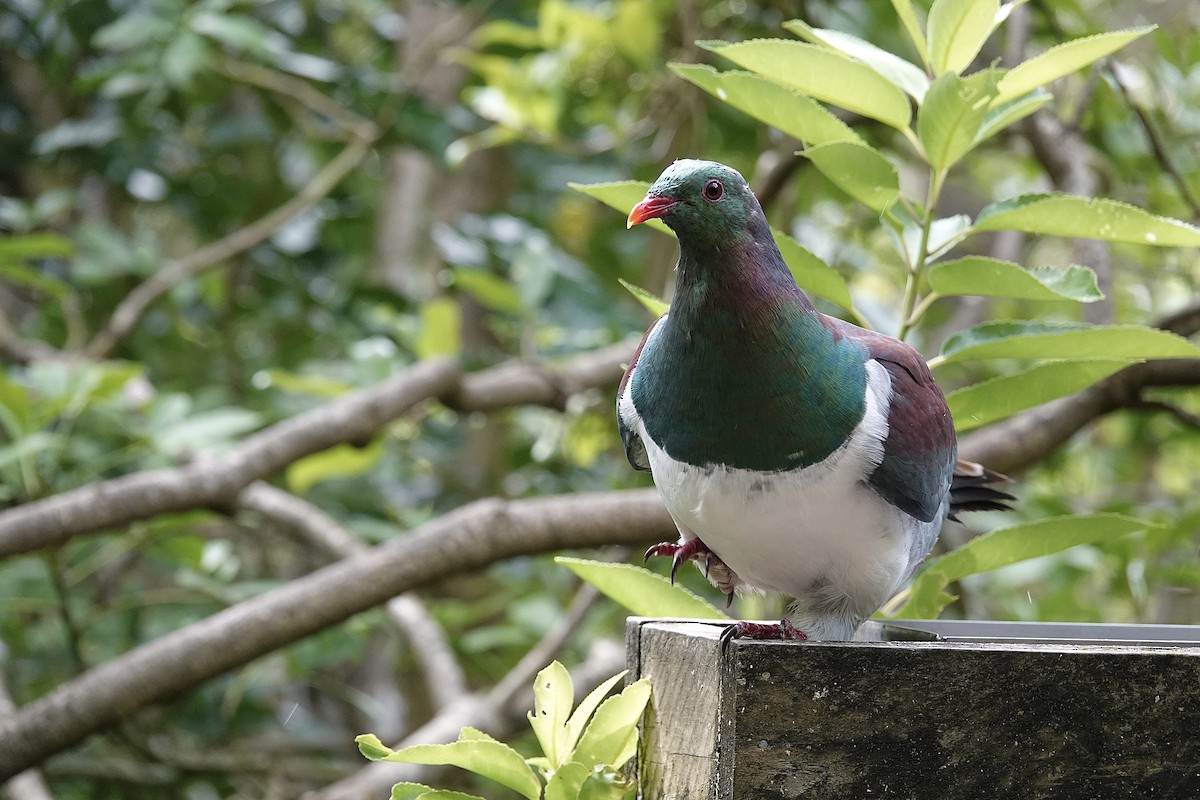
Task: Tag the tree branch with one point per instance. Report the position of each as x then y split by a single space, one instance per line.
444 678
28 785
469 538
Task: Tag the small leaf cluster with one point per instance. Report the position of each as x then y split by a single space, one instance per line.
583 750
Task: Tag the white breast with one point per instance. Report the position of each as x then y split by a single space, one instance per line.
818 534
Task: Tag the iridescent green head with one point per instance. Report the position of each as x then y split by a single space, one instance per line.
705 203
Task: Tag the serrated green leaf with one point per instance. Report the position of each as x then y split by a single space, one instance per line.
992 277
553 696
822 74
954 110
447 794
811 273
410 791
641 591
1064 59
441 328
469 734
1006 395
622 196
611 737
583 713
370 746
652 302
1003 114
340 461
769 102
1048 340
1009 546
1088 218
908 76
491 759
859 170
566 781
957 30
914 29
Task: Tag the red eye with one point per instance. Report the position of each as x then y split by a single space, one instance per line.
714 190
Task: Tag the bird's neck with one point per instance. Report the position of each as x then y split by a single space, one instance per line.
749 375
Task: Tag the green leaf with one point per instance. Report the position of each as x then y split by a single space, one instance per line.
34 245
653 303
566 781
908 76
622 196
823 74
1088 218
957 30
186 55
954 110
491 759
553 696
410 791
1001 115
1063 59
992 277
606 786
1049 340
340 461
580 716
490 290
944 234
611 737
208 430
441 328
1010 545
914 29
237 31
641 591
1006 395
859 170
769 102
370 746
811 273
447 794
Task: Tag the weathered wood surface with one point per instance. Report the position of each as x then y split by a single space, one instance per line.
970 720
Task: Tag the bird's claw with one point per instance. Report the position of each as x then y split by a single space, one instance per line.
691 549
784 630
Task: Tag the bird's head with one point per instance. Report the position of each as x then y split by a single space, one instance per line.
702 201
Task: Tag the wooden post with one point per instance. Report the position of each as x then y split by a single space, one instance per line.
1003 710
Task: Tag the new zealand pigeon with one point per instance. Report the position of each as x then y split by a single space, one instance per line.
796 452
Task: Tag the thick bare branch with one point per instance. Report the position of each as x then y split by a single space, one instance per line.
215 481
469 538
28 785
1029 437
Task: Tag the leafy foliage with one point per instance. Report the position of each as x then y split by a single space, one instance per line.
583 750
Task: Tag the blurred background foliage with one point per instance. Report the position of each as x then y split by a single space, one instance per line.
410 162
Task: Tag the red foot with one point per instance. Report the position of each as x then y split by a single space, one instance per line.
692 549
784 629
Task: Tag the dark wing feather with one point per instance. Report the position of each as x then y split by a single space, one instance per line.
920 450
635 449
969 490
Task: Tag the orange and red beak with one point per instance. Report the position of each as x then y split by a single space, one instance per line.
653 207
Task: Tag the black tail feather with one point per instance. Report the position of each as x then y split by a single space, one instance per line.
969 490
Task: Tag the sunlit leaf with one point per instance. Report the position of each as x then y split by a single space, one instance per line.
1003 114
553 696
957 30
491 759
914 29
490 290
441 328
34 245
1049 340
1088 218
1008 546
1009 394
583 713
992 277
641 591
341 461
811 273
908 76
566 781
769 102
821 73
859 170
1064 59
953 112
611 737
